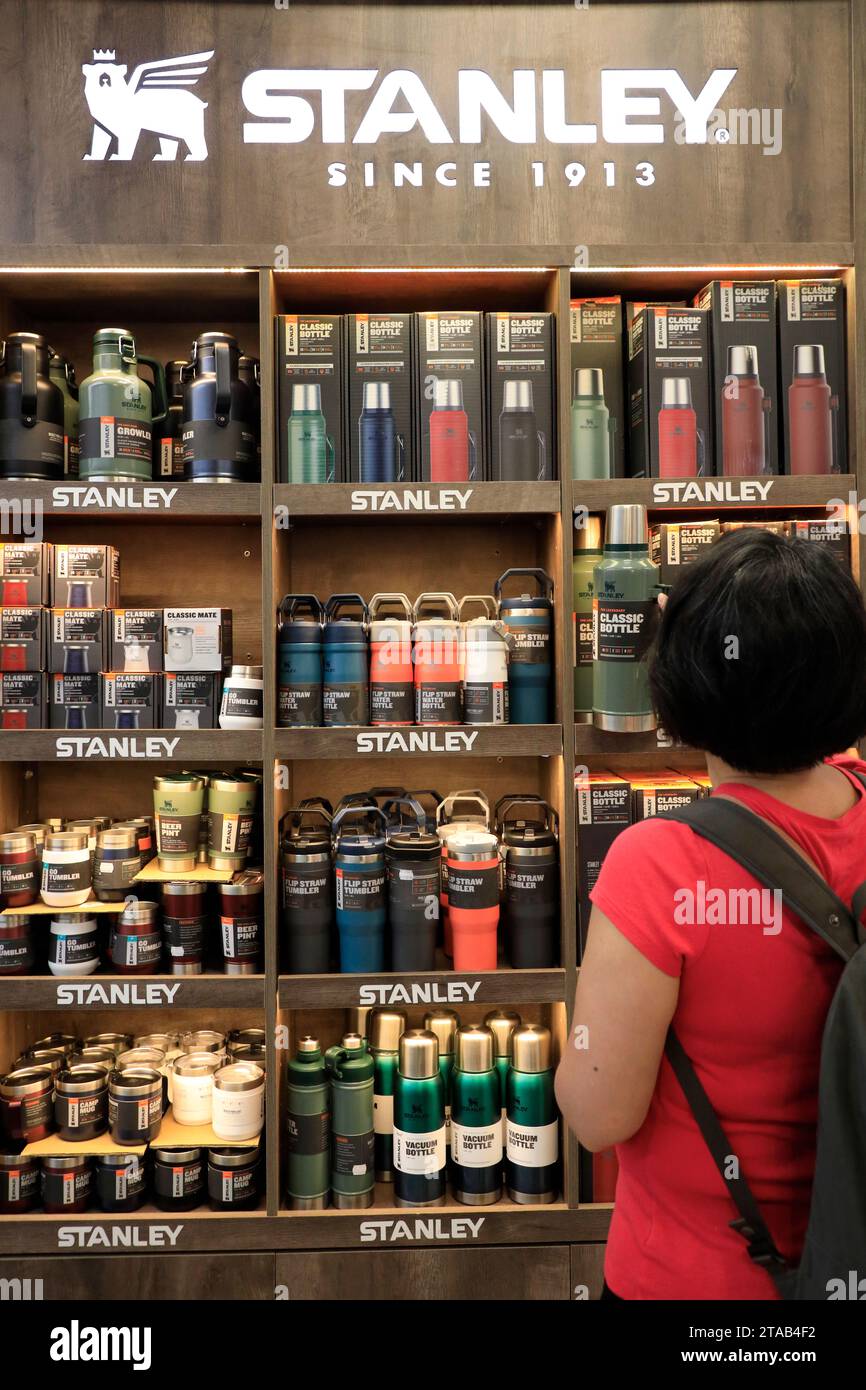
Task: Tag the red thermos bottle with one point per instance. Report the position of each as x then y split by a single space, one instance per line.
811 413
452 444
745 415
678 430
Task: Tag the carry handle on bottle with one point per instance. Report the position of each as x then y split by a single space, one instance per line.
302 601
611 448
701 452
388 793
542 455
28 383
473 457
436 798
338 601
401 457
223 371
551 819
294 818
835 461
331 459
354 813
433 596
315 802
508 797
471 795
416 808
160 389
379 600
545 583
487 601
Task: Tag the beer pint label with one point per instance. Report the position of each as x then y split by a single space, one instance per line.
476 1148
420 1154
532 1146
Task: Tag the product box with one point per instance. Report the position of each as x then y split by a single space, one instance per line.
520 356
670 418
603 810
381 398
22 700
450 396
678 543
655 794
634 306
311 373
813 376
77 640
22 639
86 576
190 700
73 702
130 700
701 780
25 573
744 376
597 394
779 528
832 534
135 639
197 639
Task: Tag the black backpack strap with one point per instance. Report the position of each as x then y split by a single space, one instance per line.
755 845
750 1224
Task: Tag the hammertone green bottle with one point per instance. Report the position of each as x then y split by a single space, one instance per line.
117 410
386 1029
502 1023
591 426
587 554
625 614
308 1121
311 448
443 1024
420 1163
532 1122
350 1067
476 1121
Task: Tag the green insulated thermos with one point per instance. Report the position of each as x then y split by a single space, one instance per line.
311 448
62 373
443 1024
625 612
588 550
308 1120
117 411
385 1028
502 1023
531 1122
420 1158
592 429
350 1068
476 1123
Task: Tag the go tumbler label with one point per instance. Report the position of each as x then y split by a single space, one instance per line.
420 1154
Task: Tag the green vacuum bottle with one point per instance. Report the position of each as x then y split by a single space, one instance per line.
386 1028
308 1120
476 1122
443 1024
350 1068
311 448
591 426
502 1023
117 410
420 1161
532 1122
625 613
587 554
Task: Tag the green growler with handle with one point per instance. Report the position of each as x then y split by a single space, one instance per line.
350 1067
118 410
308 1122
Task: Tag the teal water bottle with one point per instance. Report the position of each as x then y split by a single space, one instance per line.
532 1122
386 1028
592 429
350 1068
588 551
420 1161
308 1122
625 613
443 1024
476 1123
311 448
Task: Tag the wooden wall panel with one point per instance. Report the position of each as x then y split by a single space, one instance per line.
67 1278
518 1272
587 1271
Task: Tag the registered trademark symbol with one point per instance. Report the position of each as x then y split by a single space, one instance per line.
722 136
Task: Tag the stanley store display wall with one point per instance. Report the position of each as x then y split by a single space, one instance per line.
441 222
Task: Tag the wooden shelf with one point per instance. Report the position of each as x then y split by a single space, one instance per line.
113 745
55 1147
160 500
176 1136
713 494
152 873
43 910
419 501
23 993
504 741
504 986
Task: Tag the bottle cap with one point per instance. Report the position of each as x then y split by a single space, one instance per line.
742 360
475 1048
448 394
589 381
517 395
385 1029
308 1044
530 1048
307 395
626 525
676 393
589 536
377 395
502 1023
443 1024
809 359
419 1054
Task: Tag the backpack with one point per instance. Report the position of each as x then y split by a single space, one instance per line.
834 1252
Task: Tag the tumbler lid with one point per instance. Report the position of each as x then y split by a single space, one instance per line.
377 395
66 840
254 673
419 1054
239 1076
118 838
589 536
167 1155
676 393
443 1024
308 1044
386 1027
447 394
530 1048
517 395
475 1048
306 396
17 842
809 359
626 524
502 1023
742 360
589 381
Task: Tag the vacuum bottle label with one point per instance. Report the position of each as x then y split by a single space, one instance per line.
622 628
532 1146
476 1148
419 1153
116 437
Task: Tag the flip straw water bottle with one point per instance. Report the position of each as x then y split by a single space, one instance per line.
299 648
438 656
486 647
346 682
473 898
392 697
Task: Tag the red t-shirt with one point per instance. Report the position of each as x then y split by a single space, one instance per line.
751 1012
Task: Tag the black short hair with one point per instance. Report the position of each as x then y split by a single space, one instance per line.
760 657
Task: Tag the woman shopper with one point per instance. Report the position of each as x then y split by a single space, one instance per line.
760 661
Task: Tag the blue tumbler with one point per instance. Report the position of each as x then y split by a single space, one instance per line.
381 449
346 664
358 839
299 648
529 620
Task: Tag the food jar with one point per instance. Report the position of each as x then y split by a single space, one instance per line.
136 942
177 804
39 830
183 923
19 1184
81 1102
238 1101
116 863
19 869
117 1042
16 945
242 922
192 1079
89 826
27 1104
73 947
233 1179
243 702
67 1185
178 1178
203 1040
135 1098
232 803
120 1182
66 876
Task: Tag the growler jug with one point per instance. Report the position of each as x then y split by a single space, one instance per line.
31 412
117 411
219 438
